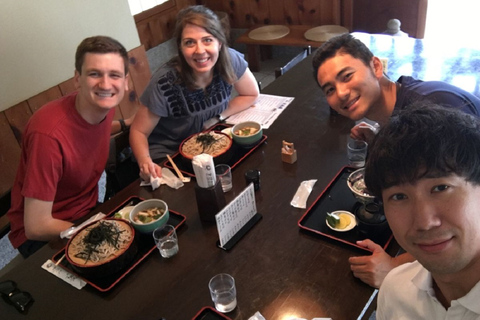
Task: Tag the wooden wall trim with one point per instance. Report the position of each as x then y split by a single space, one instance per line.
9 156
422 19
355 15
158 10
347 14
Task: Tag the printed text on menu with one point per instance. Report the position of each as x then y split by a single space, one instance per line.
236 214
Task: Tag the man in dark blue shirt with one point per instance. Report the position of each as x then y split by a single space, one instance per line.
355 86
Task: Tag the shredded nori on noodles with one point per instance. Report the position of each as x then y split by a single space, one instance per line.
206 140
96 236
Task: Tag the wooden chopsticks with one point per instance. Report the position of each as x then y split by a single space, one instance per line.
179 173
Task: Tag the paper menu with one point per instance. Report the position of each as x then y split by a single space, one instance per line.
236 214
266 109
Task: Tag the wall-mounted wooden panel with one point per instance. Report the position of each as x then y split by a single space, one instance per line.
67 86
17 117
247 13
158 28
356 15
36 102
9 155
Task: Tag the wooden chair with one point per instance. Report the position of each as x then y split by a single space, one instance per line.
4 207
299 57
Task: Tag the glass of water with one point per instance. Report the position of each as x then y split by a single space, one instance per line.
166 240
224 174
357 153
223 292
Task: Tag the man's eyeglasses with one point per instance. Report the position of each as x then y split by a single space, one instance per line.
21 300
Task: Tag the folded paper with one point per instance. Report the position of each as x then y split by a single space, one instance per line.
204 169
300 198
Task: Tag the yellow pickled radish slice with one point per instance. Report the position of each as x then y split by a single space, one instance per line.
344 221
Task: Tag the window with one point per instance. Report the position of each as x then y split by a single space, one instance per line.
137 6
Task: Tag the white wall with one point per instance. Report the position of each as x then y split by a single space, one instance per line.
38 39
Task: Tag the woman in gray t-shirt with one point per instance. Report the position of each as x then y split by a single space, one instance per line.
190 89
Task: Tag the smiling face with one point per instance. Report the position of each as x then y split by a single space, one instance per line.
351 87
200 49
437 221
102 82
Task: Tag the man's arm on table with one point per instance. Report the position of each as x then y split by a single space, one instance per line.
39 223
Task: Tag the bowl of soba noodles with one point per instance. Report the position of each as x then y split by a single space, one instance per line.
215 143
102 247
247 133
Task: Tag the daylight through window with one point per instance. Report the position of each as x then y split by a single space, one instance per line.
137 6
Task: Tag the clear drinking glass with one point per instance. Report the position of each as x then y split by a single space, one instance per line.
223 292
224 174
166 240
357 153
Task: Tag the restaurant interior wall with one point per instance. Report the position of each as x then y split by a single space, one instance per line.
248 13
155 26
39 38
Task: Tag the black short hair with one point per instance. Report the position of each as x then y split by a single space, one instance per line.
344 43
424 140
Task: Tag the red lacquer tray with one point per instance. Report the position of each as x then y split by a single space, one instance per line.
337 196
145 246
209 313
238 153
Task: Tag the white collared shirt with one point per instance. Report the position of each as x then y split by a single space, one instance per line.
407 293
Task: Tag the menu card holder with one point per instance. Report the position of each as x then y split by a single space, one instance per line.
210 201
237 218
239 235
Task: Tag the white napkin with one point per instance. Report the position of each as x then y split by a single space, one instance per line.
257 316
167 178
204 169
300 198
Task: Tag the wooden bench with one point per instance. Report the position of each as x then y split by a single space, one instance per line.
14 119
261 49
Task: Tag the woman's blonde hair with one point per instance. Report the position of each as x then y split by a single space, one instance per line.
205 18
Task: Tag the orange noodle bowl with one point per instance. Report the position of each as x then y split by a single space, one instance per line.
214 143
102 248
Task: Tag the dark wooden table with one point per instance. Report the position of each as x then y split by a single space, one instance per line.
279 270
